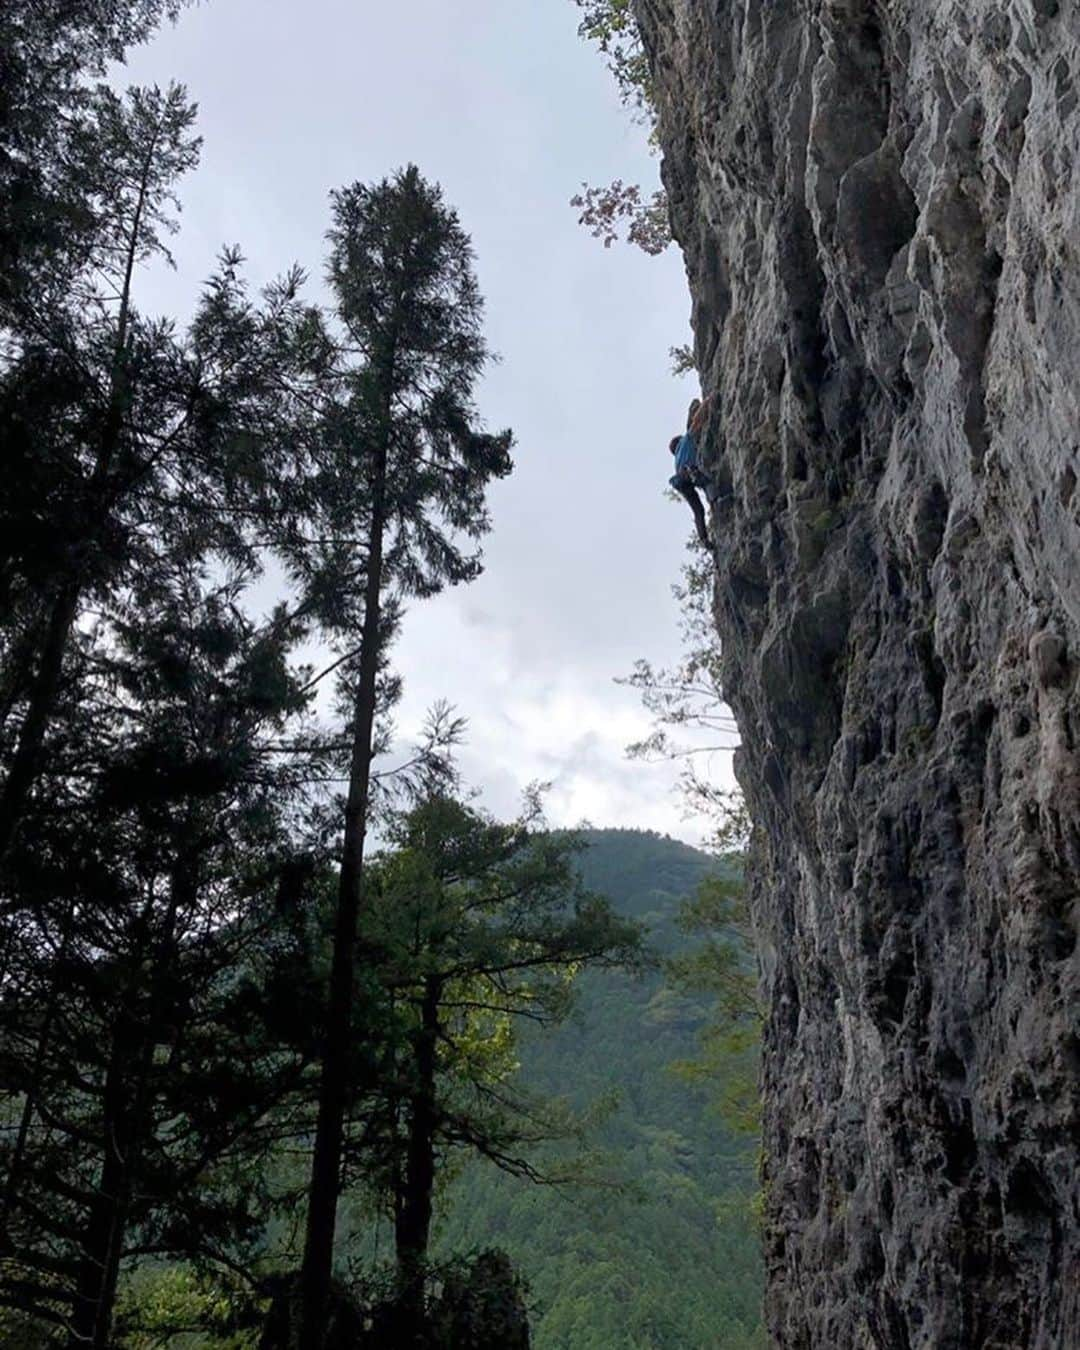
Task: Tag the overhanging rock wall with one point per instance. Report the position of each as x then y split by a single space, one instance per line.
879 206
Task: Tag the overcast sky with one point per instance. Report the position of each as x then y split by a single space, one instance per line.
506 107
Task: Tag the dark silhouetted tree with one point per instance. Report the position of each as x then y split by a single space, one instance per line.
53 54
127 443
139 1054
401 470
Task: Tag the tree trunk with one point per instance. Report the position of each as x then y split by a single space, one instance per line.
127 1109
96 1285
26 761
37 1073
317 1269
412 1220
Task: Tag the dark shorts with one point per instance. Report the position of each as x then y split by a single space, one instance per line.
688 478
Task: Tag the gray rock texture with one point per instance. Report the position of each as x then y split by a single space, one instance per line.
879 206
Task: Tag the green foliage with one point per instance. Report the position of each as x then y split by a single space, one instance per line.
721 967
396 503
144 821
128 445
482 1305
661 1253
175 1306
478 927
398 462
604 211
664 1253
612 26
136 1046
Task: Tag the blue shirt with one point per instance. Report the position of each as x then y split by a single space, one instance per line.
685 453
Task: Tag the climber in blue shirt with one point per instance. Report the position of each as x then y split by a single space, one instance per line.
688 476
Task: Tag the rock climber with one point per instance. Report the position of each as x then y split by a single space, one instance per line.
688 476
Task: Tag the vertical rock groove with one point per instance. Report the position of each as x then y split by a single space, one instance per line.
878 210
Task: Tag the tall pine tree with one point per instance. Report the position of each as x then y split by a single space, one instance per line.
137 1050
129 443
481 927
401 473
53 53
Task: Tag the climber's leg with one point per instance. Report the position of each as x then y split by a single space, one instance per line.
686 489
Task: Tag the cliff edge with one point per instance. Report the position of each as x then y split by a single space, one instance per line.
880 214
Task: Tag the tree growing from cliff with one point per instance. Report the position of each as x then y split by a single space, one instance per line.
612 26
400 473
606 211
686 701
691 721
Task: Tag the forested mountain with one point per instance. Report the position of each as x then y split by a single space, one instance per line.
664 1254
651 1244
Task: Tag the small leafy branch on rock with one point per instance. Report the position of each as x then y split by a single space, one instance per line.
612 26
604 210
690 697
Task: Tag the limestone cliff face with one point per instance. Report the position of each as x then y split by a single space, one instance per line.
879 206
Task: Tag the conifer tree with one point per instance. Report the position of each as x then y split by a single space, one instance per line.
481 926
72 401
137 1052
53 53
401 469
128 443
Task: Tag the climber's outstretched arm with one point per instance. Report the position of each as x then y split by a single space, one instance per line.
700 414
